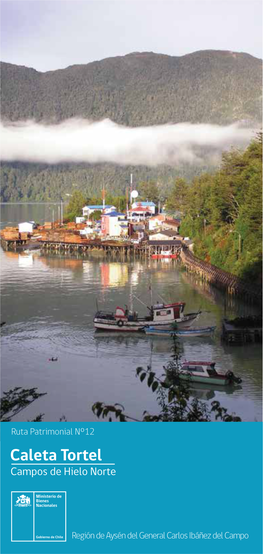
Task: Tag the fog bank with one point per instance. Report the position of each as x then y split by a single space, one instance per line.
79 140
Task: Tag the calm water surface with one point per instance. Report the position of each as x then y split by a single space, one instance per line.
49 301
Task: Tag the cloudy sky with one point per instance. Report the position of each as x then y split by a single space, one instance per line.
54 34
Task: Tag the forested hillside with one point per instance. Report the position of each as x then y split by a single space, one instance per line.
222 212
36 183
138 89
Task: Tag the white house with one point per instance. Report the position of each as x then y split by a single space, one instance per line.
26 227
173 224
140 211
149 207
156 221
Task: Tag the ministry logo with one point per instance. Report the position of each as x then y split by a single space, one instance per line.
23 501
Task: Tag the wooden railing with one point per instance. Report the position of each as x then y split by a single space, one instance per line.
220 278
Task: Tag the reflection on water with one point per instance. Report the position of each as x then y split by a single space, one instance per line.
208 392
49 301
113 274
25 260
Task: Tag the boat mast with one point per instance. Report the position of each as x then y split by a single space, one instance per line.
141 302
151 295
131 307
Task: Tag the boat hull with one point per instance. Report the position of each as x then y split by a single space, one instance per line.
164 257
179 333
138 325
104 326
217 380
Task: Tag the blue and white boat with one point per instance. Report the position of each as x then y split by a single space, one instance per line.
170 332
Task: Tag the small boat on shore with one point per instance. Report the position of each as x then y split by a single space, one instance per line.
170 332
205 372
159 315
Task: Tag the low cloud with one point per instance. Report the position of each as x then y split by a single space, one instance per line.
79 140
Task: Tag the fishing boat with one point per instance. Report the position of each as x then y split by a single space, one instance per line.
170 332
159 315
205 372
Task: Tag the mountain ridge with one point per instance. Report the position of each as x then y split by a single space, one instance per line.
136 54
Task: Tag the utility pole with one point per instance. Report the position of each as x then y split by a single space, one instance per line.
103 198
127 200
131 186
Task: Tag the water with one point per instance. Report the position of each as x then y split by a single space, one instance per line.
49 301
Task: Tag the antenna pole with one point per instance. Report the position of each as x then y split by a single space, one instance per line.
103 197
127 200
131 186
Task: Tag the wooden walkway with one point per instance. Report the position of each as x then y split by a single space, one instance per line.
220 278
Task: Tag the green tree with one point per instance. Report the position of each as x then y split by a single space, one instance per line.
148 190
76 203
17 399
178 198
223 213
95 216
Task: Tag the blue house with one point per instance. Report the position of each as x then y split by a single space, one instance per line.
88 210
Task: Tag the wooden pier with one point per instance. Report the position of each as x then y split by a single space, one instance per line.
242 330
104 248
108 248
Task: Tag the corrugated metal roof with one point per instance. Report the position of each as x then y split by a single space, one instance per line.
164 232
99 207
114 214
144 204
159 217
175 222
139 209
164 242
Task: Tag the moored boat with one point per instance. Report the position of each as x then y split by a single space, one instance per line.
170 332
205 372
165 254
159 315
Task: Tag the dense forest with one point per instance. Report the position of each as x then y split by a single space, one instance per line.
222 212
138 89
37 183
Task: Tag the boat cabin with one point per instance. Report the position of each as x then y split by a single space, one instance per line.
203 368
168 312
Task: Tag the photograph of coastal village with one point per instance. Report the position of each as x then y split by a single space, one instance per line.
131 211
